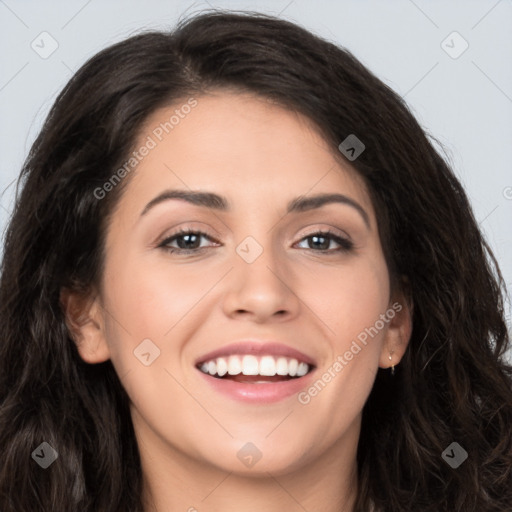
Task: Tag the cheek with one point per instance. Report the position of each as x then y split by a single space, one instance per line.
355 298
148 298
348 299
144 304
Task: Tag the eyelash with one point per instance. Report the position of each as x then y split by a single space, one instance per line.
345 244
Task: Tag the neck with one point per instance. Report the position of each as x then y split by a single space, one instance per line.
175 481
228 492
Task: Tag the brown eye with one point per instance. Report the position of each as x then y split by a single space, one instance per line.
187 241
321 241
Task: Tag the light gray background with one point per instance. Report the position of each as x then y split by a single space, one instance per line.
465 102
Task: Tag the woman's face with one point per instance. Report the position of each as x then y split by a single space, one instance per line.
259 291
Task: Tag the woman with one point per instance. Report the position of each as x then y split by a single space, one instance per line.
238 276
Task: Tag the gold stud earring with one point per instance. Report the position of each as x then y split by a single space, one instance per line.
392 366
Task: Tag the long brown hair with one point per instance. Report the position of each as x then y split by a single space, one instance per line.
453 383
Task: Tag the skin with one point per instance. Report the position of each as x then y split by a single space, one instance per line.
259 156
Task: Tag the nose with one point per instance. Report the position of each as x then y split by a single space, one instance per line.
262 290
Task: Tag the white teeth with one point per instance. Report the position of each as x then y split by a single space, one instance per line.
302 370
234 365
250 365
266 366
282 366
292 367
212 367
222 367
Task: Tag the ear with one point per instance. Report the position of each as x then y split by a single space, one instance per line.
399 330
85 322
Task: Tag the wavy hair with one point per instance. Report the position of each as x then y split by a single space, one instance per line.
453 384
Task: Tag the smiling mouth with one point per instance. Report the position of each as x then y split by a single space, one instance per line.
255 369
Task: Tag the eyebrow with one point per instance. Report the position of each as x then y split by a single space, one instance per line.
220 203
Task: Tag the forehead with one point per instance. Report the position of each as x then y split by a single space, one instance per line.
242 146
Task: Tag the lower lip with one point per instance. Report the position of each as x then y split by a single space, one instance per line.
267 392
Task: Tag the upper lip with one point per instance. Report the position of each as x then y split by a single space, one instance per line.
270 348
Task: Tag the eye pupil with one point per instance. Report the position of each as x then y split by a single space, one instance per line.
187 238
189 242
323 246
